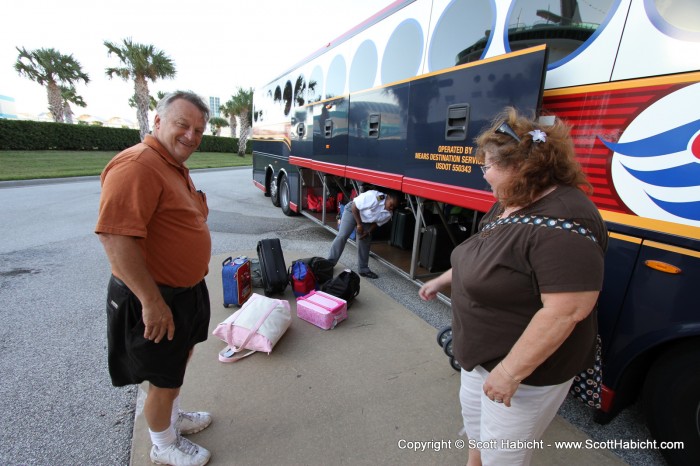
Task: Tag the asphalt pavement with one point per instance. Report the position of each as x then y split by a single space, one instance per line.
57 404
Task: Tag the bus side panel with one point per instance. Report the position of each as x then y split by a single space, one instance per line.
268 155
302 133
660 305
667 47
378 126
330 131
619 263
438 150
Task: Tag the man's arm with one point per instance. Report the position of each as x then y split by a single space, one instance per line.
128 264
358 220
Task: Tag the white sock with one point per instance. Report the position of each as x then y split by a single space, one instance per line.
176 410
163 439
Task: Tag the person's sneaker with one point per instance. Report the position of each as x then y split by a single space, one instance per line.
369 274
181 453
191 423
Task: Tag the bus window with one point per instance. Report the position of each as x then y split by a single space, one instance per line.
460 25
363 69
300 91
564 27
336 77
403 52
679 19
315 90
287 97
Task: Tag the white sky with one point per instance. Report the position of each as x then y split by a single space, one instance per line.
216 45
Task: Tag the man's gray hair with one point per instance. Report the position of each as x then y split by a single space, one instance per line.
197 101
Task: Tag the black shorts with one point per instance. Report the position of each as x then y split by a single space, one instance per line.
132 358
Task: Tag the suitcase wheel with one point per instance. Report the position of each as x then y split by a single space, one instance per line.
443 334
447 348
455 365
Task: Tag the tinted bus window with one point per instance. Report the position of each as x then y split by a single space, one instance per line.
363 69
460 26
403 52
564 26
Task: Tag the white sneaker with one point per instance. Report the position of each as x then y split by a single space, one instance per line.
192 422
181 453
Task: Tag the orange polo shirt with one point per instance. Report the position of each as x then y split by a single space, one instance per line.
148 195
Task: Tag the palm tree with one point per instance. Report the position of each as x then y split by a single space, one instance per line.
141 63
152 103
243 106
216 123
70 96
50 68
228 110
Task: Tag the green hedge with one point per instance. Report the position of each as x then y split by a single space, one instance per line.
35 135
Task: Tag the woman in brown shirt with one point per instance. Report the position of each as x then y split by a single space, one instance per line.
524 294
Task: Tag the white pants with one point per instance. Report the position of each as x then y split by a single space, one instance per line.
494 425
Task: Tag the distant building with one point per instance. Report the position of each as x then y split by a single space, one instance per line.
7 107
214 104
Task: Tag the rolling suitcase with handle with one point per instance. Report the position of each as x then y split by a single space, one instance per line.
436 246
272 266
236 281
402 226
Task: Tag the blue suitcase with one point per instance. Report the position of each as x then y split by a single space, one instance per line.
235 277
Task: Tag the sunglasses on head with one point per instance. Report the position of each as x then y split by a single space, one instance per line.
506 129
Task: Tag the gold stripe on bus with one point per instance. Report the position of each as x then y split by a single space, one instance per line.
632 83
652 224
676 249
621 237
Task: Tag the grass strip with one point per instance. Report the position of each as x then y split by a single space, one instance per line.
29 165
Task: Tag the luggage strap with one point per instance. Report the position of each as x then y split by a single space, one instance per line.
228 353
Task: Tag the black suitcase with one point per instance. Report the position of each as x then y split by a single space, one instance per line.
436 246
272 266
402 227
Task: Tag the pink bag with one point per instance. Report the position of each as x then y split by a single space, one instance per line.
257 326
322 309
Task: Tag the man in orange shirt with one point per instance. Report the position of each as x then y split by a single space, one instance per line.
152 224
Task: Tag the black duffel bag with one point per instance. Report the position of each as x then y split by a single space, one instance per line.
321 267
345 286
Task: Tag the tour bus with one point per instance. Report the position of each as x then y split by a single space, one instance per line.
397 101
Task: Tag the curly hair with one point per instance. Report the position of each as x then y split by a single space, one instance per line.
537 165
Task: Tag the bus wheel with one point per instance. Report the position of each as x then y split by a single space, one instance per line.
671 401
284 199
274 193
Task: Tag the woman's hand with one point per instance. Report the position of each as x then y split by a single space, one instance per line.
431 288
500 386
428 291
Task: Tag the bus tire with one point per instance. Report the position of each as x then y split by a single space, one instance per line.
274 192
671 401
283 195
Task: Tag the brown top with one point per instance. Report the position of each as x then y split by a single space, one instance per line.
498 275
148 195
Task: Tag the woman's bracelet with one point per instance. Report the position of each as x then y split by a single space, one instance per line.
508 373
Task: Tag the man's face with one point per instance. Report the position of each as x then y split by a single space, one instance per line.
390 204
180 129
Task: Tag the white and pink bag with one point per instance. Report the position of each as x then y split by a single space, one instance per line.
322 309
257 326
